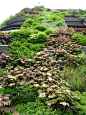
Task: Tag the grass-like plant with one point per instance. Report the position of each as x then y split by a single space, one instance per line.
76 77
79 38
60 22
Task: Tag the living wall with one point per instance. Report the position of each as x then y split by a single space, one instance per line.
43 68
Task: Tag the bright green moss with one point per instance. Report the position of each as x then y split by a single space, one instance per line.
77 92
82 100
76 103
82 108
84 93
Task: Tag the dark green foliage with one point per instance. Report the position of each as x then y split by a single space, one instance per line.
27 93
24 93
38 108
40 27
1 71
10 90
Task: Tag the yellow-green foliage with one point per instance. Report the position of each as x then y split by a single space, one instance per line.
84 93
76 103
82 108
60 22
77 92
82 100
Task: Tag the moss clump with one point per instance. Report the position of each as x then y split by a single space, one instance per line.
83 100
82 108
84 94
77 92
40 27
76 103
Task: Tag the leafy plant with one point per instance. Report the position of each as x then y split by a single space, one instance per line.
60 22
47 80
5 59
27 93
4 104
28 22
40 27
40 37
79 38
5 39
21 34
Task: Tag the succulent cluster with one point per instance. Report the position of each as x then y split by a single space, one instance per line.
44 71
5 59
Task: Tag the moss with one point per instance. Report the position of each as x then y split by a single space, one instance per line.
82 108
84 93
83 100
76 103
77 92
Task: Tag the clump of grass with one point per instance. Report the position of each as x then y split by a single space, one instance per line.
76 77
